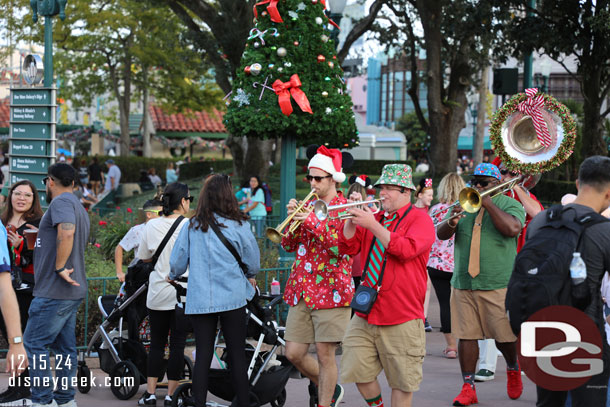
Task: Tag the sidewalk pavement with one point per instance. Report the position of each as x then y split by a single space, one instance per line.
441 384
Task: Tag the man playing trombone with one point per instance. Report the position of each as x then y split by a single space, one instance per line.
394 245
485 250
319 289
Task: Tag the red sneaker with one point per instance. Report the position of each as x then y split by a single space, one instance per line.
467 396
514 385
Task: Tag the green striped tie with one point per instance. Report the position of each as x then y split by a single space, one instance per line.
376 256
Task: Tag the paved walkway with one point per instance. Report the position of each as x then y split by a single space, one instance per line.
442 382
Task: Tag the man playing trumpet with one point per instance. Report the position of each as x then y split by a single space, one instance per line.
394 244
485 250
319 289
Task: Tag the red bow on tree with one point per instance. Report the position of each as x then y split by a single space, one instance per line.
271 8
283 90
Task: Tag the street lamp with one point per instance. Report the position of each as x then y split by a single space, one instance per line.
473 108
542 77
336 13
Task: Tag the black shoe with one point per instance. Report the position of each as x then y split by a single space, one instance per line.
313 394
147 399
15 396
168 401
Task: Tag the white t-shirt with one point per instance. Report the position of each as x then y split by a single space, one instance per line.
113 172
161 294
131 240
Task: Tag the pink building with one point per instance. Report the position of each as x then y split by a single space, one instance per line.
357 89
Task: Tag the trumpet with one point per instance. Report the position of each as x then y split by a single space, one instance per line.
321 208
276 235
470 199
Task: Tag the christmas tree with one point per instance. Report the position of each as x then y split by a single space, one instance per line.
290 82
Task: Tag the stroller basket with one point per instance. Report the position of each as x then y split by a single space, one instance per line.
267 389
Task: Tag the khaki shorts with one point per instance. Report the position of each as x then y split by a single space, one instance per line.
306 325
479 314
397 349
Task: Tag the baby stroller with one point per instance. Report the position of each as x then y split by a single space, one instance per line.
268 372
122 354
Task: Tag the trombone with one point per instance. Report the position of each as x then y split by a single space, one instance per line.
321 208
276 235
470 198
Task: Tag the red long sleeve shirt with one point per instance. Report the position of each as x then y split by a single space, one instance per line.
403 288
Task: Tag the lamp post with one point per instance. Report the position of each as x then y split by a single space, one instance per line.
336 14
545 71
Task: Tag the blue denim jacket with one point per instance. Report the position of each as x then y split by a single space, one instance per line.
216 283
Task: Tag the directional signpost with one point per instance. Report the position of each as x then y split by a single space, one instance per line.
32 134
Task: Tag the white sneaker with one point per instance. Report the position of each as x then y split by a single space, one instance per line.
51 404
70 403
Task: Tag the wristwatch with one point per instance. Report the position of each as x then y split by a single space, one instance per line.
16 340
60 270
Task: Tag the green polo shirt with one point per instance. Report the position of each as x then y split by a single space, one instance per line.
497 251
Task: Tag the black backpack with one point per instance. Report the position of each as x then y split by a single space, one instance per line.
541 273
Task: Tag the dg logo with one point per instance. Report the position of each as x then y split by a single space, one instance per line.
560 348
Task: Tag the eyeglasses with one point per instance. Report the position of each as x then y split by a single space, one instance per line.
318 179
390 188
480 182
513 173
27 195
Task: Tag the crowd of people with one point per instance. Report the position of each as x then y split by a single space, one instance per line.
362 279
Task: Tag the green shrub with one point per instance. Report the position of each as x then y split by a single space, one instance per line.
550 191
200 169
131 166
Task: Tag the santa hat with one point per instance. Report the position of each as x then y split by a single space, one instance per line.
329 160
496 161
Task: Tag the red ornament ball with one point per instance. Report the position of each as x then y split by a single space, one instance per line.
247 70
296 43
314 1
321 58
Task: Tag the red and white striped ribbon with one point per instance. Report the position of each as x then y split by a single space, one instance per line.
532 106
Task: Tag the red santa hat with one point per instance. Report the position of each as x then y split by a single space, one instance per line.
329 160
497 161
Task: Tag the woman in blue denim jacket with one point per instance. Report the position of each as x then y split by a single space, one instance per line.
217 287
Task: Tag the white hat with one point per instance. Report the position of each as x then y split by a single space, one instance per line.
328 160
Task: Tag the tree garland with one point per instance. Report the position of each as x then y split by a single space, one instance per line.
564 151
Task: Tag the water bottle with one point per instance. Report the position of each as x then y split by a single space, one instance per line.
578 269
275 287
578 273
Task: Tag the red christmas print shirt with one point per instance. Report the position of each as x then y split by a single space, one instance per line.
320 274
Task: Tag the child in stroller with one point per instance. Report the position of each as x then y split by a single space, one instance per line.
268 372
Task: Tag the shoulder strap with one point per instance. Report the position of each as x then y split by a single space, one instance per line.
169 234
229 247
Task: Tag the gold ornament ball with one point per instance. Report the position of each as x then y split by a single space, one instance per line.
281 52
321 58
325 94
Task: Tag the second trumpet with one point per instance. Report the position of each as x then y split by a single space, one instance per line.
321 208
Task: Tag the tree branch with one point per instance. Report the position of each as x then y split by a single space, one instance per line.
360 28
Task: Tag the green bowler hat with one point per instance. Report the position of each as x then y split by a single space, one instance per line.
396 174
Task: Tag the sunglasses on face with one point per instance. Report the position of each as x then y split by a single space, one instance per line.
318 179
513 173
45 179
190 198
480 182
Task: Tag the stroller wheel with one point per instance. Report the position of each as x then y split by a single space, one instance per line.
280 400
125 380
183 396
83 374
188 368
253 400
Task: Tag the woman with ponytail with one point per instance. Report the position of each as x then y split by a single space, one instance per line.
161 297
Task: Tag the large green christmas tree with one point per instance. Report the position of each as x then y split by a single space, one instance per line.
290 82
